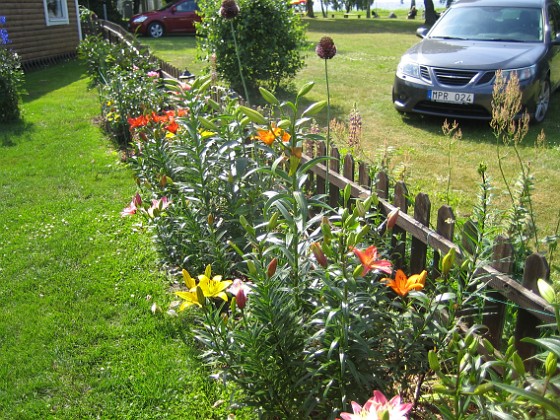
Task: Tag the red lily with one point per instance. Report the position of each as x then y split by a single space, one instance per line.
369 260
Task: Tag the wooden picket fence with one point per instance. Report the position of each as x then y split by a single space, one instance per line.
414 224
117 34
532 309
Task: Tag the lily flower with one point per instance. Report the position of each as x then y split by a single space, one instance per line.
370 261
133 207
377 407
190 298
268 136
213 287
158 206
402 285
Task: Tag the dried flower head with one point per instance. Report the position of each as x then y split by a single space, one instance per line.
229 9
326 48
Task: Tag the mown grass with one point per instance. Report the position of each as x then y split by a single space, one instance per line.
362 73
77 335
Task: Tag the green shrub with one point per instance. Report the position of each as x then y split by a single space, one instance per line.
269 37
11 78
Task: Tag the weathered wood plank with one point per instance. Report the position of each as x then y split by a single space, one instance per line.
536 268
494 309
418 249
398 240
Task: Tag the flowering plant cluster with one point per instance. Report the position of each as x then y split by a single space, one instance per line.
299 303
128 83
11 77
240 205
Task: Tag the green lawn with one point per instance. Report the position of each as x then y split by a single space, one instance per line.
77 335
362 73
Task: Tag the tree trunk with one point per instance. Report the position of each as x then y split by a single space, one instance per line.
431 15
309 5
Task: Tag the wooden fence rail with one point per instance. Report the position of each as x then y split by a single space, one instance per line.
503 290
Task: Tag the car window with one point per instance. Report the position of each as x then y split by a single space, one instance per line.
515 24
188 6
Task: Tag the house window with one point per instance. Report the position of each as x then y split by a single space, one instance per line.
56 12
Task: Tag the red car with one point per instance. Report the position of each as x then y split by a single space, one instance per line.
172 18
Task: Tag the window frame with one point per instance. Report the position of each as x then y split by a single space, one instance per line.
54 20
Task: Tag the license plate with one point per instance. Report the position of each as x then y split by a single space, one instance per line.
450 97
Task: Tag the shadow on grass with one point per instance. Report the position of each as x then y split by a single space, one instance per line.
52 78
9 131
354 26
477 131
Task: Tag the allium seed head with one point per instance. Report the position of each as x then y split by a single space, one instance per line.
229 9
326 48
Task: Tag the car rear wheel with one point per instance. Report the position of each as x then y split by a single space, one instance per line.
543 101
155 30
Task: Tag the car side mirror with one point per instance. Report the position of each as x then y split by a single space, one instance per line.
556 40
422 31
174 9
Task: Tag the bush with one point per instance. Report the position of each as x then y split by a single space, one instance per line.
269 37
11 78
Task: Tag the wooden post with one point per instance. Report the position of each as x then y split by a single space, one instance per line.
419 250
334 165
469 237
382 185
349 167
536 268
398 241
363 175
494 312
321 150
446 228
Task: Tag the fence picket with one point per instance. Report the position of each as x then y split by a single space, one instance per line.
398 242
536 268
418 249
494 308
334 166
446 228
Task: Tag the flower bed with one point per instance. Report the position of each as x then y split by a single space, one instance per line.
297 303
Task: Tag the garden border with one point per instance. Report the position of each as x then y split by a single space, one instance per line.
533 309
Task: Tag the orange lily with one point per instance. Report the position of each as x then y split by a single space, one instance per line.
268 136
369 260
402 285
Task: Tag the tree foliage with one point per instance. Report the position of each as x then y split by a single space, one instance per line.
269 37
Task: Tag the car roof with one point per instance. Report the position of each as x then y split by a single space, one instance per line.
508 3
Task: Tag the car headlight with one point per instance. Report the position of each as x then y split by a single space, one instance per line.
140 19
524 73
408 68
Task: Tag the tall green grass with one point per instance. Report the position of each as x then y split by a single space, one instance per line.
362 73
78 338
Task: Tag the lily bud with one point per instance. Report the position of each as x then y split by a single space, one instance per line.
447 262
271 269
241 298
137 200
210 219
319 254
392 218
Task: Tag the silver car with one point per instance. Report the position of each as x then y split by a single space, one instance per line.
451 72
